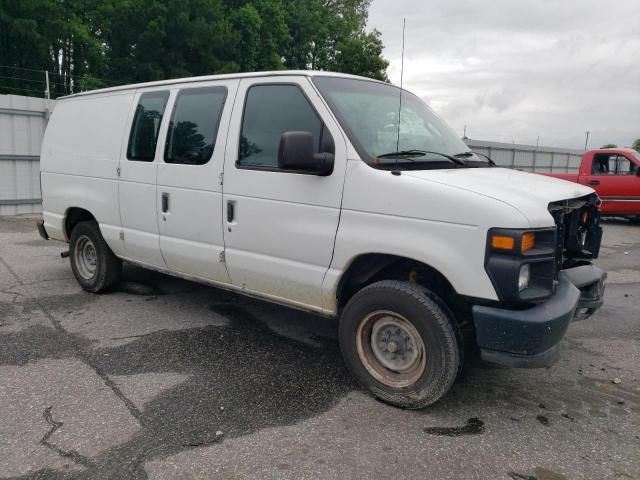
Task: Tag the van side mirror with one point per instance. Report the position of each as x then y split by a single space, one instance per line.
296 153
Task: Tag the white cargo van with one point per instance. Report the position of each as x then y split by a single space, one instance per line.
315 190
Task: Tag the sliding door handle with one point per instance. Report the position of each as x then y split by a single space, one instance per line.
165 202
231 211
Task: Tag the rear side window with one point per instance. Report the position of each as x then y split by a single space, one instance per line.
625 167
146 125
194 125
269 111
604 164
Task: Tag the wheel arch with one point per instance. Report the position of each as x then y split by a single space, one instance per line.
73 216
368 268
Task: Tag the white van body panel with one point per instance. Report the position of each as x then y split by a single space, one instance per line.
191 235
293 236
524 191
79 161
281 240
436 224
137 197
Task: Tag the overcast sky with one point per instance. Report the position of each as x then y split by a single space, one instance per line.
515 69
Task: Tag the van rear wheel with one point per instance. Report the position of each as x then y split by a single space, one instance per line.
400 342
93 263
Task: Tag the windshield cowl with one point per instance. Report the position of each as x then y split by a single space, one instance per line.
422 159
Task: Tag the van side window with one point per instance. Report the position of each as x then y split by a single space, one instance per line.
146 125
194 125
269 111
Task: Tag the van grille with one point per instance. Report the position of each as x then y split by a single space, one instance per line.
578 231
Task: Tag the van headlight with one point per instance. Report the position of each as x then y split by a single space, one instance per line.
521 263
524 277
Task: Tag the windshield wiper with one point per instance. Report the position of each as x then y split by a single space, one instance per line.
419 153
471 154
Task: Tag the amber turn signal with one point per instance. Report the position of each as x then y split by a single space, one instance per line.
501 242
528 241
505 242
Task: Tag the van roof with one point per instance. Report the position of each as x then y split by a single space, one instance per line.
275 73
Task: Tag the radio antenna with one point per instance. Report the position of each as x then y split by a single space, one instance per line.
404 24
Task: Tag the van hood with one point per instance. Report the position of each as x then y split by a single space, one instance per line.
529 193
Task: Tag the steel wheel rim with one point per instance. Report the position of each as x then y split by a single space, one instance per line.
390 348
85 257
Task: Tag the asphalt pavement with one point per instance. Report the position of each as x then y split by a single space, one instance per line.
164 378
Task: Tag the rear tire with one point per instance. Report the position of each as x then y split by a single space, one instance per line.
401 343
93 263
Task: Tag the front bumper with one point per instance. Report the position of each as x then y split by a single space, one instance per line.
531 338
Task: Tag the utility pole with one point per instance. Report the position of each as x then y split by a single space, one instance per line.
47 92
47 95
586 139
537 141
464 134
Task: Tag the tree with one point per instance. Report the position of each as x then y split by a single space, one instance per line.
88 44
609 145
159 39
636 145
362 55
60 37
331 35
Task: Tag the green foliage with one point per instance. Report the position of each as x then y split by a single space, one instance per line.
331 35
48 35
83 42
636 145
609 145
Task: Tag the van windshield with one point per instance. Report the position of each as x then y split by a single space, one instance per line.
368 112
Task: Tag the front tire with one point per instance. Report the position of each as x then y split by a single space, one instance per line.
93 263
401 343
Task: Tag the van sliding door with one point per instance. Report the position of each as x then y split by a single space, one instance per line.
137 180
189 190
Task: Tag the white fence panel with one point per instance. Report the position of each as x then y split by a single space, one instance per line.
529 158
22 124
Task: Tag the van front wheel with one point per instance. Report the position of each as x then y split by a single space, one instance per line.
400 342
93 263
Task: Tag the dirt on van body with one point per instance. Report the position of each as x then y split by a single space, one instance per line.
164 378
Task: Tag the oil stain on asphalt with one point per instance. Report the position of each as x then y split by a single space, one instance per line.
473 426
290 382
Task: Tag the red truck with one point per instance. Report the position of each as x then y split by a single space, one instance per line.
615 174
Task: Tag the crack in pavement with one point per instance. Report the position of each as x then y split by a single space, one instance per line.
162 330
16 295
84 357
11 292
55 425
26 284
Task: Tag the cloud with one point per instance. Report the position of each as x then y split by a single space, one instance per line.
516 70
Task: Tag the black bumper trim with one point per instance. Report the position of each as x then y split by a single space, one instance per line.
43 233
591 291
512 360
531 337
